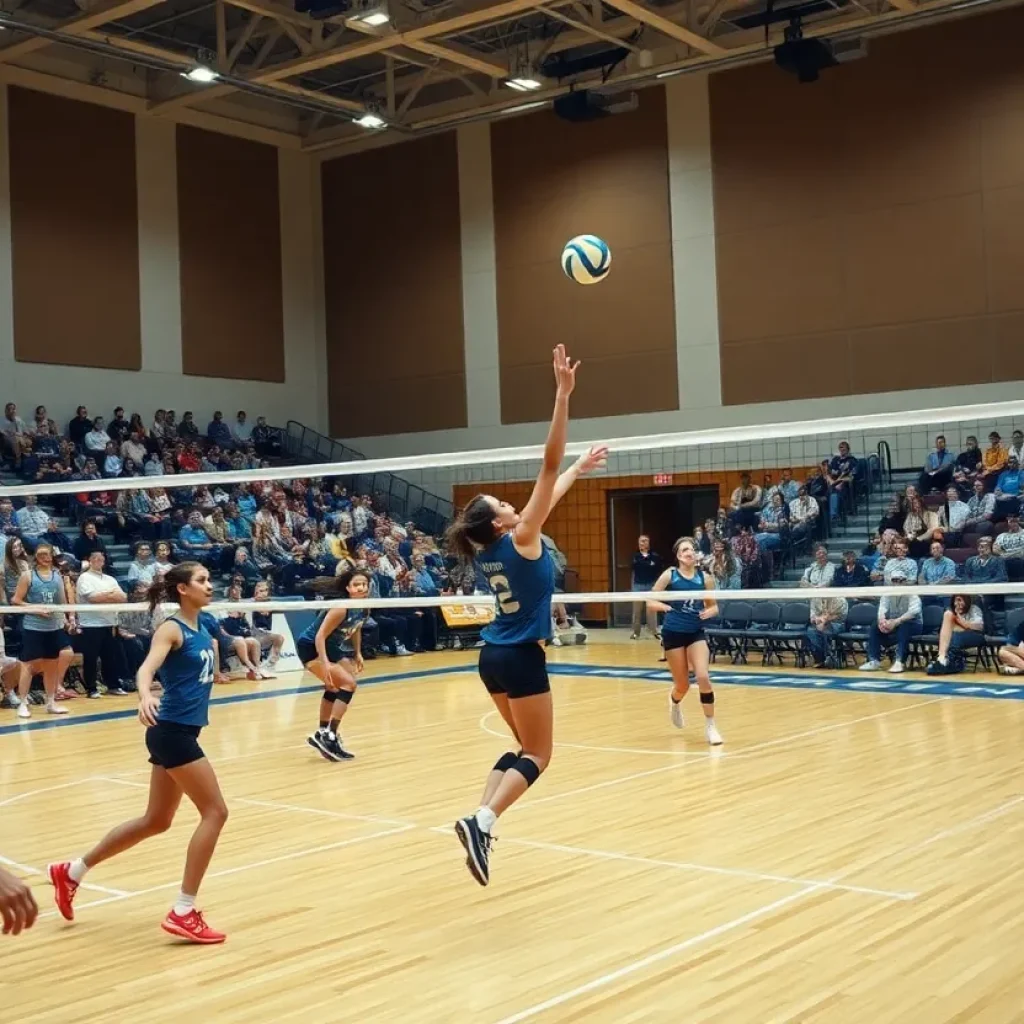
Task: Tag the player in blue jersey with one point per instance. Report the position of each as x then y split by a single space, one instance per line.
682 633
183 653
508 551
331 648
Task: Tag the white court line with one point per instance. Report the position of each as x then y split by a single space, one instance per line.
29 870
45 789
981 819
654 958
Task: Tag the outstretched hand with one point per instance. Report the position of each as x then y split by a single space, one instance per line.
17 904
565 372
594 459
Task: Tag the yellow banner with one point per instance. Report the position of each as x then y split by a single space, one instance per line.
456 615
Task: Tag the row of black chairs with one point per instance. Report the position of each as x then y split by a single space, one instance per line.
773 629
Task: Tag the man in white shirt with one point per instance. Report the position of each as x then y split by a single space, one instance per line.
803 511
32 521
241 431
99 634
820 572
899 619
1011 546
953 517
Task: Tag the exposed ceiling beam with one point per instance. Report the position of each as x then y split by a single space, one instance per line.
903 5
78 26
588 29
666 27
461 56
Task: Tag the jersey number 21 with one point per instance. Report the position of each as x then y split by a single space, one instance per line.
206 672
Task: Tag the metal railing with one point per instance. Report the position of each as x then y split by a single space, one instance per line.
885 460
403 500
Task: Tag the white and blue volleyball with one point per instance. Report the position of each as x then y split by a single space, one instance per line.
586 259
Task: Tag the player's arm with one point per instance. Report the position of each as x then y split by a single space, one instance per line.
357 646
587 463
533 516
710 605
17 904
661 583
332 620
166 639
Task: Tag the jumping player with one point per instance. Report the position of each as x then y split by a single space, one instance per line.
183 653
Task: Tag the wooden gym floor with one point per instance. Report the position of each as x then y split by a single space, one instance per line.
848 856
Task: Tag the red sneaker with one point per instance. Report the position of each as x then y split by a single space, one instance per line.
64 888
192 927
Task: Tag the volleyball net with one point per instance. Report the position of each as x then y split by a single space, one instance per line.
854 471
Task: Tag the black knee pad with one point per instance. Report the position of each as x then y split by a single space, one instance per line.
330 695
505 762
529 769
345 696
707 698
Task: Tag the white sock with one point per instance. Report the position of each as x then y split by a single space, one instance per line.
942 659
709 721
184 904
486 818
77 870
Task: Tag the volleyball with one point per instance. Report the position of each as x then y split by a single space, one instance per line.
586 259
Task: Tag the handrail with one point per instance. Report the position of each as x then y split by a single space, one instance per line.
404 500
885 459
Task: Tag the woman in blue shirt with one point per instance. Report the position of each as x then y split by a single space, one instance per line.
682 634
183 654
509 552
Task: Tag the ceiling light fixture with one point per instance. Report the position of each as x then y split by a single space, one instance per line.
523 84
370 121
200 73
374 15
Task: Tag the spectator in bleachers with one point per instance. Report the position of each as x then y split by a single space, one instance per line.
920 527
245 568
263 439
112 462
88 542
13 435
187 429
963 627
32 522
40 421
8 523
97 641
142 568
218 431
899 619
985 566
1011 655
894 515
722 565
852 573
745 503
134 448
134 634
748 555
772 524
118 427
96 441
79 427
993 460
241 430
953 517
900 561
937 568
55 536
1008 488
821 571
1010 544
1016 449
163 557
981 507
787 486
841 470
968 466
938 468
828 617
803 514
153 465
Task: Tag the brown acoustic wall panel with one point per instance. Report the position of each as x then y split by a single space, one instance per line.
869 226
229 242
74 233
393 271
553 180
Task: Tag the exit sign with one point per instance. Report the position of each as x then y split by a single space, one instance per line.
663 479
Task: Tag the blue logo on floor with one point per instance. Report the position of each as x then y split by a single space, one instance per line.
808 681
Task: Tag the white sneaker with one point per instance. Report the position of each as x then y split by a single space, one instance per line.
23 710
56 709
403 651
675 711
712 733
556 641
897 666
871 666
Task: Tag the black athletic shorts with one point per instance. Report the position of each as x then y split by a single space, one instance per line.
307 652
42 645
172 745
518 670
671 639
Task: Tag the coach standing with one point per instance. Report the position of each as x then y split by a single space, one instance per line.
646 569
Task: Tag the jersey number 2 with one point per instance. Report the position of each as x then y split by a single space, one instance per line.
206 672
507 605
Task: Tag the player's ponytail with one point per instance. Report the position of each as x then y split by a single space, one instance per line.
473 528
336 586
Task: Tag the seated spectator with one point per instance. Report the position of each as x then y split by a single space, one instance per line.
262 627
899 619
218 431
876 550
828 617
189 459
88 543
187 429
1010 545
296 571
245 568
821 571
241 430
243 644
79 427
728 575
985 566
14 439
851 573
135 633
894 515
56 537
8 522
153 465
937 568
1008 488
899 561
163 557
953 517
1011 655
748 556
1016 449
113 464
773 523
263 439
787 487
963 626
142 568
32 522
41 423
981 507
134 449
745 503
968 466
920 527
938 468
118 428
96 441
818 487
841 471
993 461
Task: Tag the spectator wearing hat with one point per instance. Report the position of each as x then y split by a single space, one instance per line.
899 618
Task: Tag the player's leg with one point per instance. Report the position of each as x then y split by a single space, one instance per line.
698 657
339 689
679 666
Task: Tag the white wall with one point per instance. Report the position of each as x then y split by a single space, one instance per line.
697 340
160 382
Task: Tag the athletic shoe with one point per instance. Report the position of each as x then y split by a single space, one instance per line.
192 927
675 711
634 636
24 711
55 709
319 743
116 691
1009 670
897 666
338 752
64 888
264 674
402 651
870 666
713 735
477 844
93 695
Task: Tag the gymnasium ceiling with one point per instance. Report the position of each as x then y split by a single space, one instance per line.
299 81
